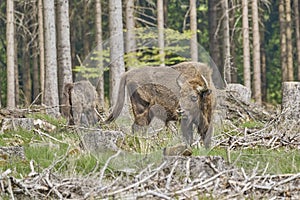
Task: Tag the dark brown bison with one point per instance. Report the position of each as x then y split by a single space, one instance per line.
181 92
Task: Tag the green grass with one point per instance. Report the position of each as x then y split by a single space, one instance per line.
279 161
75 161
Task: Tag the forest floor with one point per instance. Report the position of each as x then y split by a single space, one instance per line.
255 155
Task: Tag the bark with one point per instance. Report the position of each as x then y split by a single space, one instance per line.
193 24
25 71
263 69
41 48
100 84
291 100
130 34
10 34
246 46
160 27
35 74
214 47
116 47
289 49
283 47
226 43
256 54
297 31
51 98
63 46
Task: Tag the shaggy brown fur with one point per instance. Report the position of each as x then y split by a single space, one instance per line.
162 91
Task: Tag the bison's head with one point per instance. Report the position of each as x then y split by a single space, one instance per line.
195 106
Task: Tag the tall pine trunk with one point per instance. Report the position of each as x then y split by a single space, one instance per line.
246 46
226 43
10 50
283 46
193 25
41 48
130 34
51 98
160 27
63 46
256 54
289 42
100 83
297 27
116 48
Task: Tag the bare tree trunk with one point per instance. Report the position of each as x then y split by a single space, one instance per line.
289 41
283 47
246 46
193 24
51 98
233 61
256 54
214 47
291 100
226 48
25 71
130 34
100 84
63 46
17 85
160 27
35 74
297 24
41 48
116 47
10 34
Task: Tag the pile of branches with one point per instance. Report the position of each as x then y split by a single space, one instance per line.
174 178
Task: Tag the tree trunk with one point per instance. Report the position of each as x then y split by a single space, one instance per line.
51 98
246 46
297 27
226 40
130 35
25 71
160 27
291 100
41 48
100 84
193 25
214 47
63 46
283 47
116 48
10 34
35 74
289 42
256 54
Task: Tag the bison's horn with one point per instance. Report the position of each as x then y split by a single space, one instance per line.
205 81
200 89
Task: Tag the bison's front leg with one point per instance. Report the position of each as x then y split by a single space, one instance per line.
187 130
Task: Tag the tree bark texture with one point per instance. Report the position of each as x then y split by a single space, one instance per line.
130 34
51 98
160 27
283 46
63 46
297 31
10 50
291 100
246 46
256 54
226 40
214 47
193 24
100 84
116 47
41 48
289 49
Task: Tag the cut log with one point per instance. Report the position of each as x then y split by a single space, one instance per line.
291 100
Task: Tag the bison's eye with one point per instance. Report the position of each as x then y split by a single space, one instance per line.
194 97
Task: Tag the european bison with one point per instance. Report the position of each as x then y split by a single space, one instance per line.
181 92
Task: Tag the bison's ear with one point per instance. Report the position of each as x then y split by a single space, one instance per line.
203 91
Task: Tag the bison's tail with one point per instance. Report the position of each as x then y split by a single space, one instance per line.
119 103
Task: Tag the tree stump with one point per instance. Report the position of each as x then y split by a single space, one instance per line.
290 107
240 92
